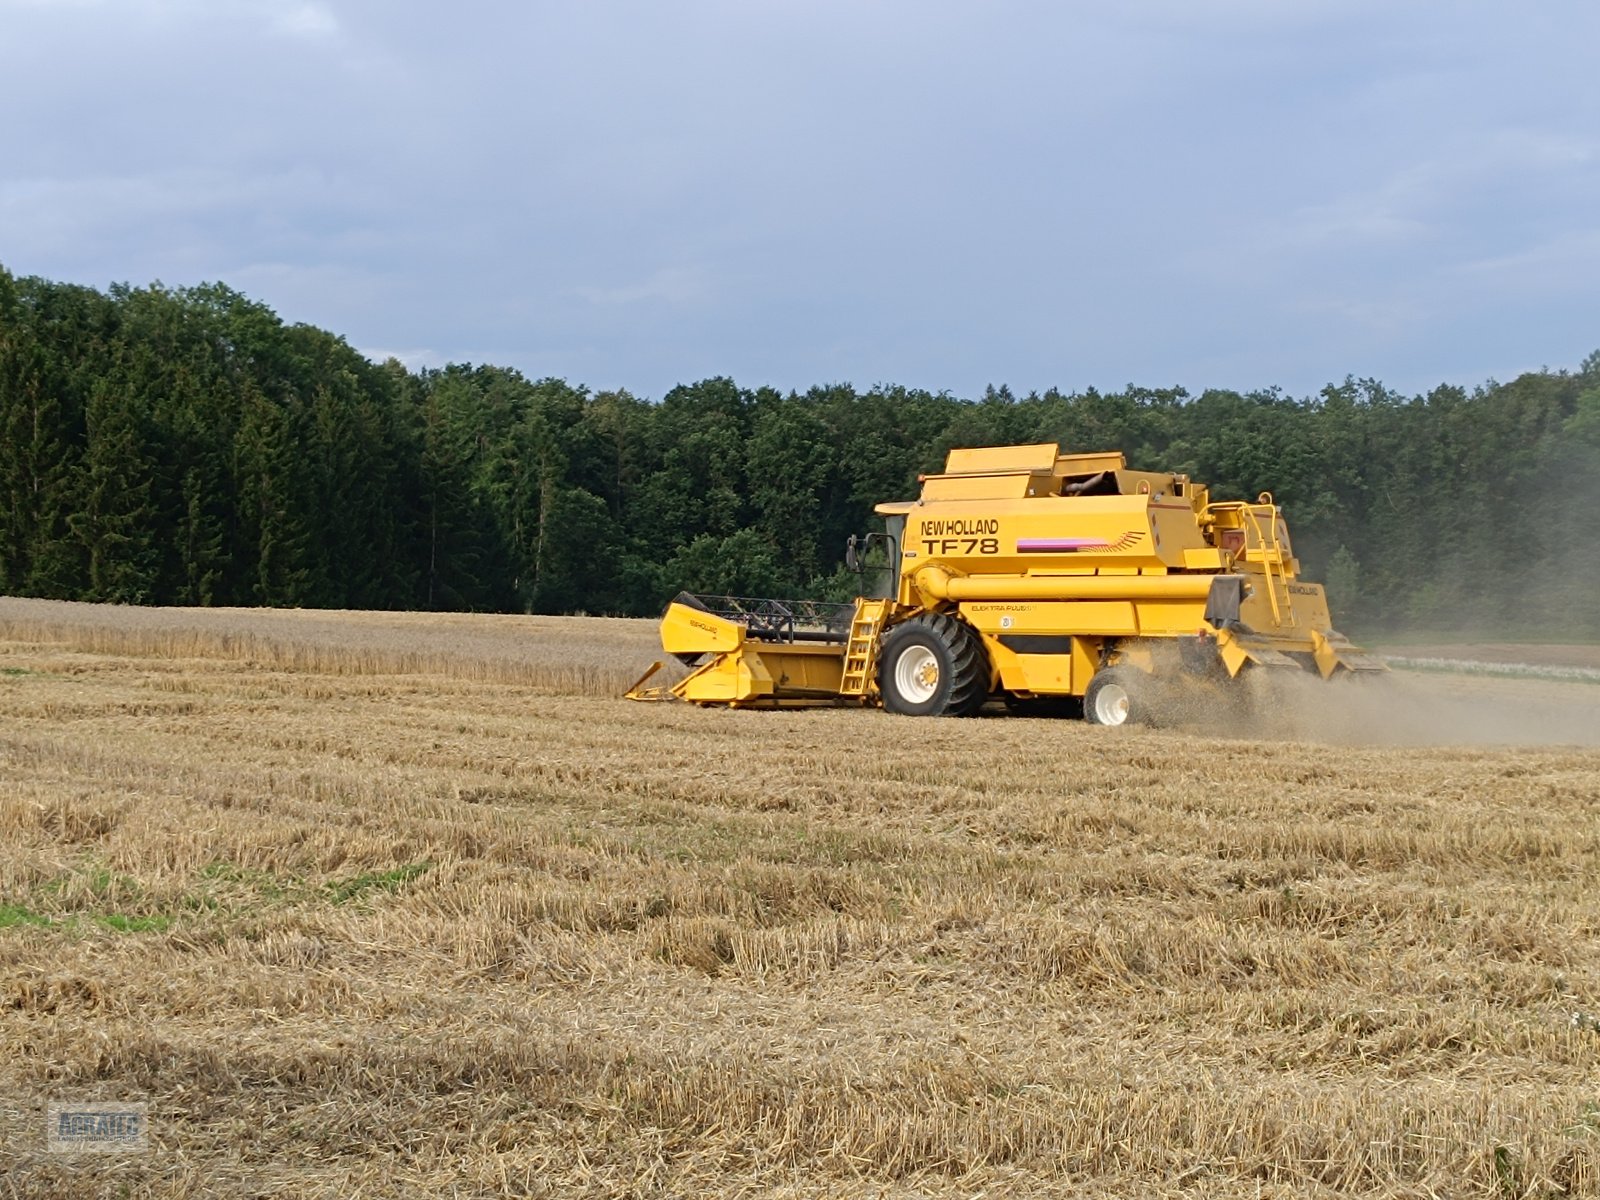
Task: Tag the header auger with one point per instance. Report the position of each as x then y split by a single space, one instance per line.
1059 582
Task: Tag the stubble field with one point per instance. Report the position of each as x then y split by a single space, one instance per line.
401 905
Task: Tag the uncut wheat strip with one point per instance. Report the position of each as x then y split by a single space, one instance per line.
561 659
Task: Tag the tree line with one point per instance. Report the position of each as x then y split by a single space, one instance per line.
186 446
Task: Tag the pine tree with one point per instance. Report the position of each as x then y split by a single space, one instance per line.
53 347
116 523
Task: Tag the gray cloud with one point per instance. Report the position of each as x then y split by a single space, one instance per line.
1239 193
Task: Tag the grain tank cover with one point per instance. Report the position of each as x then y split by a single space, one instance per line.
1023 472
995 473
987 460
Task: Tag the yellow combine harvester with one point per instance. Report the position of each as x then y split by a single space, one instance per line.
1049 580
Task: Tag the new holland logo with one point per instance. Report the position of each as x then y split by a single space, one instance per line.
1126 541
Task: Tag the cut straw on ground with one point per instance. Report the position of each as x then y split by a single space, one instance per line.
395 905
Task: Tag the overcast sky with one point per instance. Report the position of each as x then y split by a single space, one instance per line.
1232 193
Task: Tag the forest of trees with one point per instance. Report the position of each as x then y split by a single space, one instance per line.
187 447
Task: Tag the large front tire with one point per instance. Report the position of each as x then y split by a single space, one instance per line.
932 666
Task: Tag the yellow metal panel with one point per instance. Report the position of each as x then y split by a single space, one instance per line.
1078 533
801 669
1025 616
759 672
1145 483
1038 457
1165 618
1256 609
1046 533
1000 486
1085 623
725 679
1110 618
1044 674
1008 664
1176 531
1300 608
687 630
1309 604
1050 674
939 584
1325 656
1085 662
1202 558
1233 655
1096 618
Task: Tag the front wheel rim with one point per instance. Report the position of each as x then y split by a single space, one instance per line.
916 674
1111 705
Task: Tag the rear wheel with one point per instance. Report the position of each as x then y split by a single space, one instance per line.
932 666
1117 696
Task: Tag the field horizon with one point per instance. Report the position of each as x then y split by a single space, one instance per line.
373 904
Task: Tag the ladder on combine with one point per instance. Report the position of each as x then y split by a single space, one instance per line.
1263 519
861 651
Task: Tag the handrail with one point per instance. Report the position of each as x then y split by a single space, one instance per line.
1271 553
1261 518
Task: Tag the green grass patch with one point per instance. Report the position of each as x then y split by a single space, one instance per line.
391 880
16 914
98 881
1588 1122
266 884
230 889
227 872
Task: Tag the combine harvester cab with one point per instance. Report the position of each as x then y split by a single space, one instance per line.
1055 581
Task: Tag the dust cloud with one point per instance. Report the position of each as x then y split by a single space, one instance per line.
1459 706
